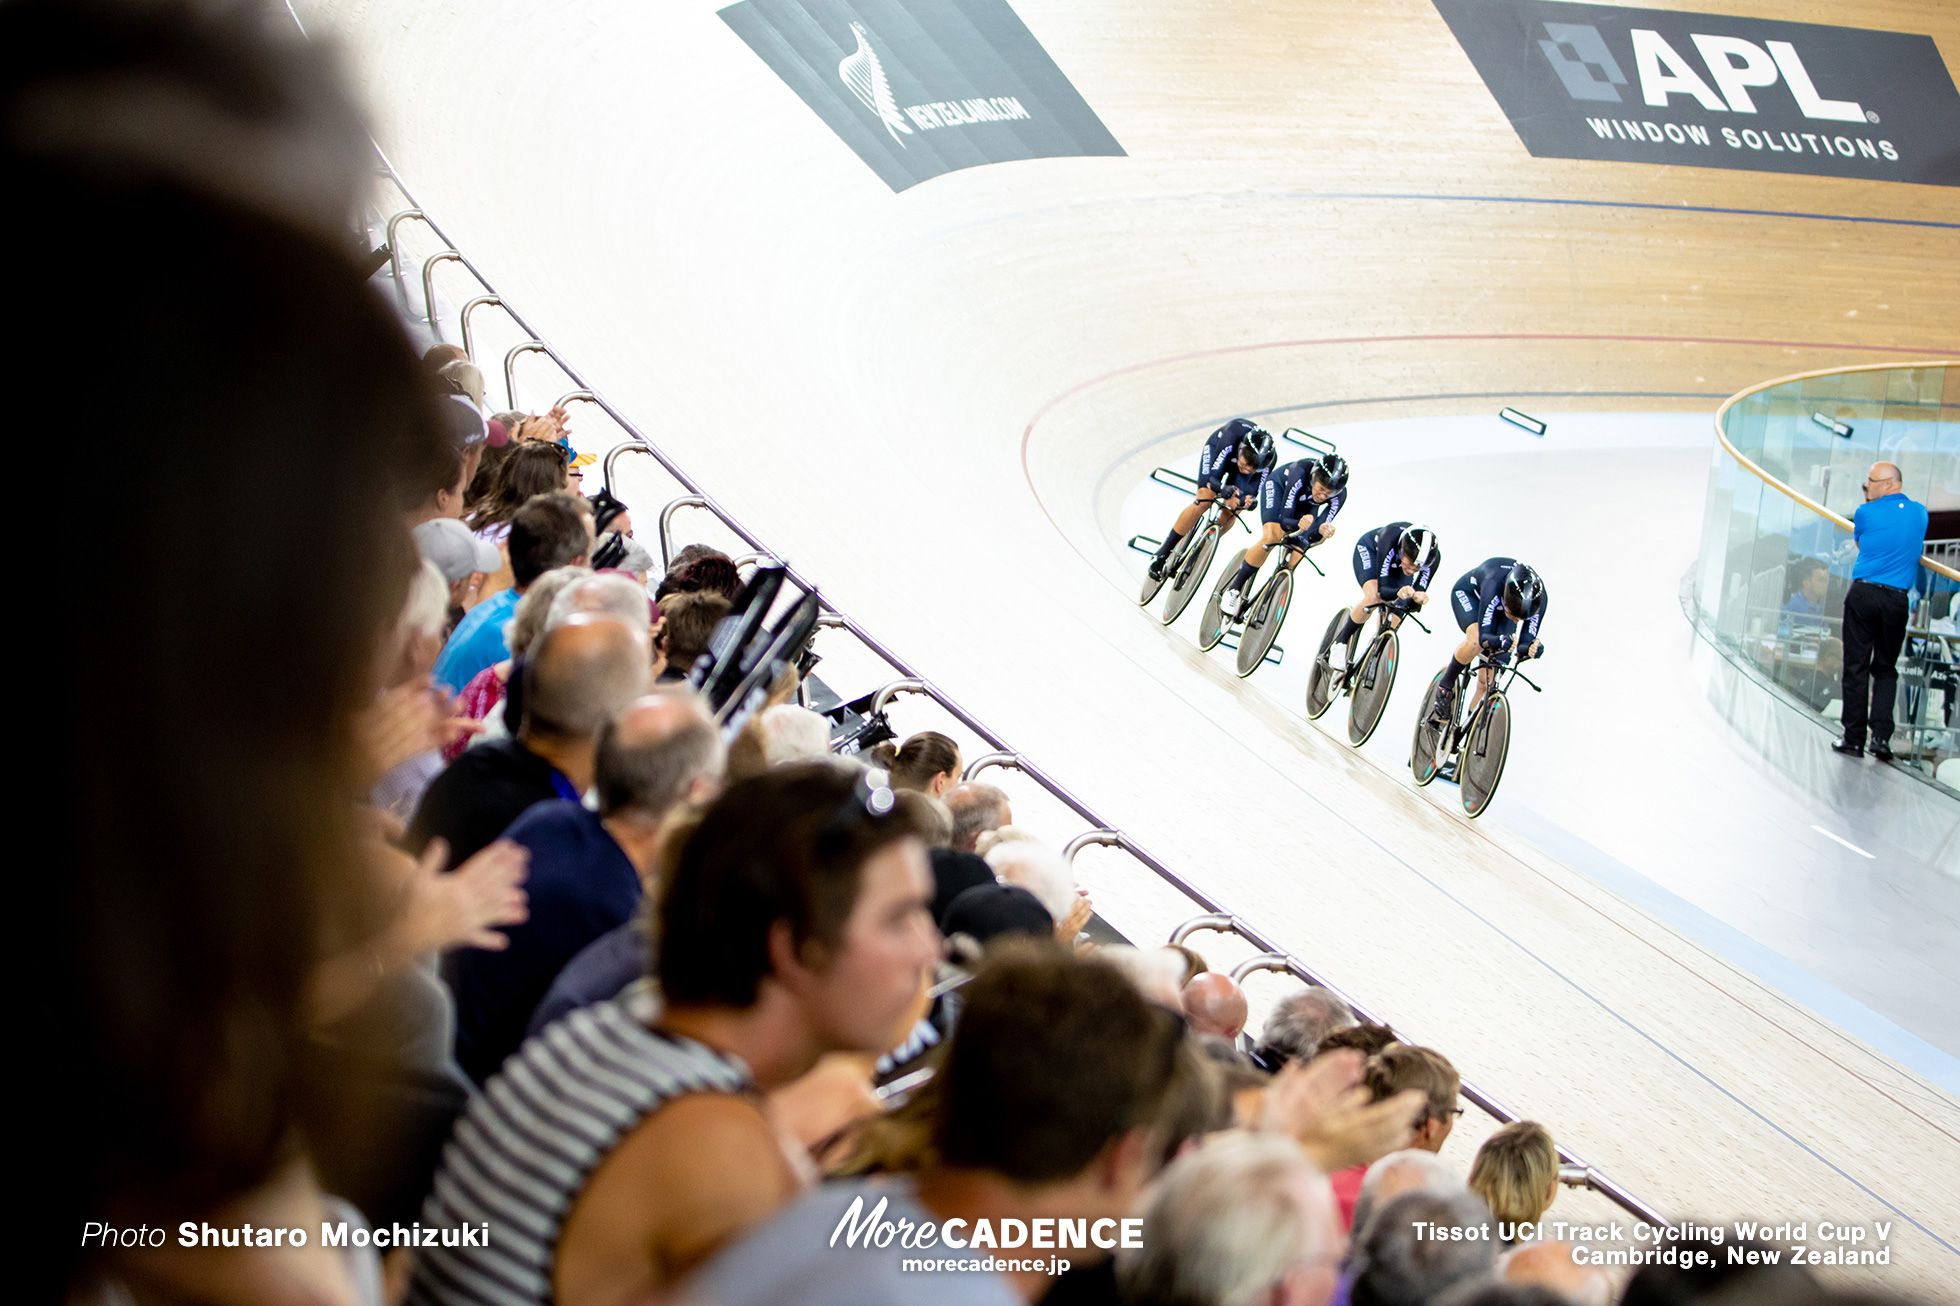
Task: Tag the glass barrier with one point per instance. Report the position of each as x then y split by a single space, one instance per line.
1776 549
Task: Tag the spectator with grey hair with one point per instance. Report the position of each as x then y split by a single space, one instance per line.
1410 1170
587 868
1548 1267
577 679
1245 1221
1041 871
791 733
405 727
1215 1004
1297 1024
977 808
490 686
599 595
1400 1259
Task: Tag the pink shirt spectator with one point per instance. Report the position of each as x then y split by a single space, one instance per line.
479 697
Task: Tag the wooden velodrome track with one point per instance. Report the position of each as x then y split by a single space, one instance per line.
915 397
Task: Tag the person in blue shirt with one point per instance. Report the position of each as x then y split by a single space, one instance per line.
545 533
1233 462
1890 532
1804 609
1297 507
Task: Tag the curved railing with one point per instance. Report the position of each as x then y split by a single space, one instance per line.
1776 555
1573 1170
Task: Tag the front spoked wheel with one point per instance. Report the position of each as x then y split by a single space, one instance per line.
1263 628
1321 680
1372 686
1211 627
1189 574
1487 744
1432 738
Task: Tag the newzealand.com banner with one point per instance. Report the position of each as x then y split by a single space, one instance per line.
1651 86
923 87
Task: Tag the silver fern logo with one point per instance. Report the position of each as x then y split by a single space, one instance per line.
861 71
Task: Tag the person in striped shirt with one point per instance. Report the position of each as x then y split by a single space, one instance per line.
617 1150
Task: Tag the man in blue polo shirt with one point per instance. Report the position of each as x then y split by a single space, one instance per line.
1890 532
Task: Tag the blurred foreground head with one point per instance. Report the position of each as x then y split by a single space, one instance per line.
184 182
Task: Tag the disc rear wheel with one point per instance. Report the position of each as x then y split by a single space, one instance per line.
1485 747
1190 574
1262 628
1425 754
1321 680
1211 627
1372 686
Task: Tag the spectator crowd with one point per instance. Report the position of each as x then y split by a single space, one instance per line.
415 891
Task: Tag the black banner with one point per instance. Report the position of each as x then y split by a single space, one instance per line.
923 87
1712 91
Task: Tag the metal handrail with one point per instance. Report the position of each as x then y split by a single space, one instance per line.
666 513
481 301
1055 788
429 286
532 346
1264 961
575 397
750 559
1006 761
395 249
906 685
1842 523
1092 839
1219 921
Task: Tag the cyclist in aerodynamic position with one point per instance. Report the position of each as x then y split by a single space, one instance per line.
1234 460
1499 598
1391 562
1297 507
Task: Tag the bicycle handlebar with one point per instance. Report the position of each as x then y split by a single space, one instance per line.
1513 669
1400 609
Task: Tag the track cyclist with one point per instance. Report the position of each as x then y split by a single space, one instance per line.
1235 460
1500 597
1392 563
1297 507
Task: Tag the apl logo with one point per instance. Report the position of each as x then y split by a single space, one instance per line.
865 76
1585 64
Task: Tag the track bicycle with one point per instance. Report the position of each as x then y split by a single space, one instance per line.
1469 747
1369 678
1185 569
1263 614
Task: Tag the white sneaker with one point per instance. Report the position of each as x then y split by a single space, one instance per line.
1229 606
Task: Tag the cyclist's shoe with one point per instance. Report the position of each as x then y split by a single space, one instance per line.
1157 566
1231 605
1439 707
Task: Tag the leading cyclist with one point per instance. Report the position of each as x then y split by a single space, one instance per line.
1392 562
1297 507
1235 459
1500 597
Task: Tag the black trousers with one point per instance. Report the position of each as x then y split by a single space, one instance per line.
1874 627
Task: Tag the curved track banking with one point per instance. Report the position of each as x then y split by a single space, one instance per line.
854 372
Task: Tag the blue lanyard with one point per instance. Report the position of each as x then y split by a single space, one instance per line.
564 786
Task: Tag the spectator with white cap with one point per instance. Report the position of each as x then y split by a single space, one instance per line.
462 558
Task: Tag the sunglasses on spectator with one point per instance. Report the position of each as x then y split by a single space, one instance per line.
870 799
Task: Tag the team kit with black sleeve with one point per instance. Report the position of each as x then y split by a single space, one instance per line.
1218 467
1287 498
1477 599
1378 558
